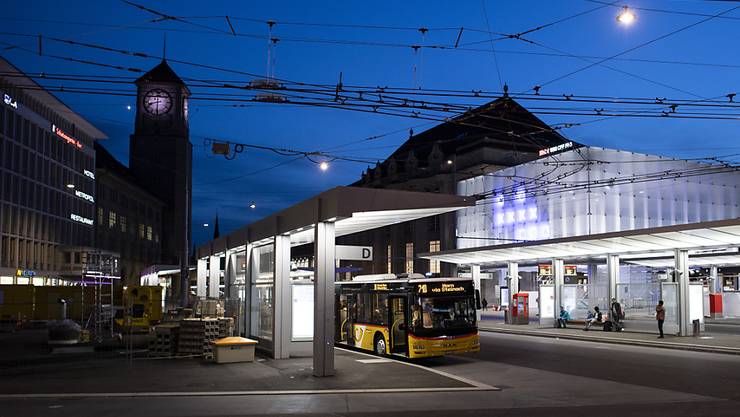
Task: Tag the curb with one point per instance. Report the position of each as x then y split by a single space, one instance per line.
596 339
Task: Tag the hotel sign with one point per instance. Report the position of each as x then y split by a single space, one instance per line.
83 220
67 138
85 196
88 173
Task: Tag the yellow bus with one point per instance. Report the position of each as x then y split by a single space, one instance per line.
411 316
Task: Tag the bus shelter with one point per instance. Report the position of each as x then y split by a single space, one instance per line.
259 255
675 248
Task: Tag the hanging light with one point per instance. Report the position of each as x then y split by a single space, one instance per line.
626 17
324 166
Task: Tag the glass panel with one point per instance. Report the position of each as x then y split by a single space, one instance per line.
639 299
302 313
263 285
547 302
669 295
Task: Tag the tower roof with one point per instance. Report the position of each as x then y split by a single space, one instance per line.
161 73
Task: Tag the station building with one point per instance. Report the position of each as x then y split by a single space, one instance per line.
569 224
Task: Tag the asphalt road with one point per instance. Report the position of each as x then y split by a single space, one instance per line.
538 377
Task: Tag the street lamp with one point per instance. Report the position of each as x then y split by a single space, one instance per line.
626 17
449 162
324 166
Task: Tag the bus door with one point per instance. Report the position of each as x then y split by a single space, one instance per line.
349 319
397 306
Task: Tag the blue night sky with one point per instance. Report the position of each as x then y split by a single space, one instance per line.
115 24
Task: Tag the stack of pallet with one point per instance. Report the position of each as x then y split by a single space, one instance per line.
165 340
225 327
196 337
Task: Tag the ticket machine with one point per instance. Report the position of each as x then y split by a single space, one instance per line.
520 308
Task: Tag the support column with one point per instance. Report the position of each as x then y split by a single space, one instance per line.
214 276
512 281
682 303
324 275
475 273
202 278
281 307
558 271
612 272
715 287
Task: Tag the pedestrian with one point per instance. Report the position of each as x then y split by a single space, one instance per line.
485 303
563 319
660 316
616 314
595 318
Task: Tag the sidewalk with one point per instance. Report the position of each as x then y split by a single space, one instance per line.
713 343
40 374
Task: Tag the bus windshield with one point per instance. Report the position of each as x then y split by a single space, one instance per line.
444 313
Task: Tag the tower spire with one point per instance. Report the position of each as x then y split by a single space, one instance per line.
164 47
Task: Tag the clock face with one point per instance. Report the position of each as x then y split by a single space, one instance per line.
157 101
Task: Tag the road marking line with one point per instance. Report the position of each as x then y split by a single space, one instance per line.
476 384
238 393
368 361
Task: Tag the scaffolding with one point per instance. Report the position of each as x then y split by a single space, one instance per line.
99 272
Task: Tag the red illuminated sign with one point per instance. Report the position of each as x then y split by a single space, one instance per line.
69 139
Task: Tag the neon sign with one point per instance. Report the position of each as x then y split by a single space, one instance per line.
85 196
89 173
554 149
10 102
67 138
83 220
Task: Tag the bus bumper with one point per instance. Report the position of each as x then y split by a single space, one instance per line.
420 347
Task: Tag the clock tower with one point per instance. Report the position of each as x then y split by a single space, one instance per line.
160 156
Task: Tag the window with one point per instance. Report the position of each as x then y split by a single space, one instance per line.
112 219
123 224
141 231
434 246
390 259
446 313
149 233
409 257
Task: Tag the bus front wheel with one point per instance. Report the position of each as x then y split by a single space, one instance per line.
380 346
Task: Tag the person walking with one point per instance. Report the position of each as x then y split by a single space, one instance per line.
660 316
485 304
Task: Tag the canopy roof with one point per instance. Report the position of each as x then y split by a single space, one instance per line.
704 235
352 209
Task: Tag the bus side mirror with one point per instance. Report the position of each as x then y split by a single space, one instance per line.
477 299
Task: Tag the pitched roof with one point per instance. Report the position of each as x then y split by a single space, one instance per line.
506 122
161 73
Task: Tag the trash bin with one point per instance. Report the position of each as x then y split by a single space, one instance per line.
697 328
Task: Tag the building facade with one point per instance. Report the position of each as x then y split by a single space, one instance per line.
492 137
47 181
128 218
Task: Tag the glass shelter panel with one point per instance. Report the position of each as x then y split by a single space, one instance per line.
262 292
